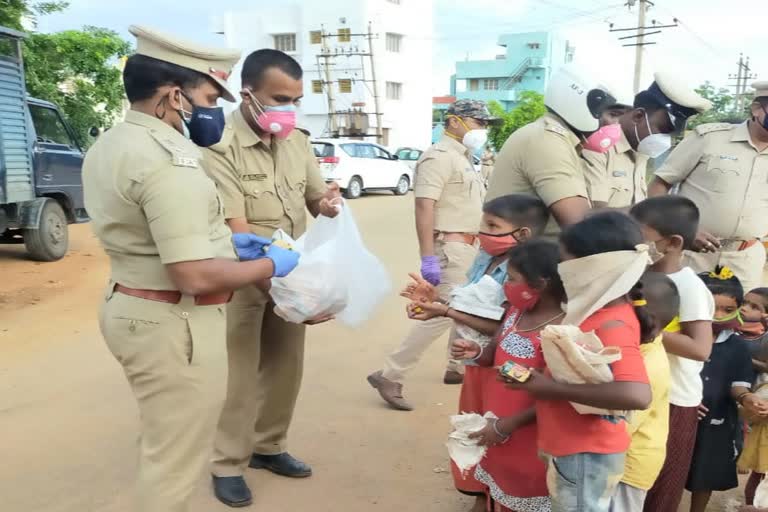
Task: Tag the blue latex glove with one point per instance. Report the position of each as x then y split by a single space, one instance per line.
430 269
285 260
249 246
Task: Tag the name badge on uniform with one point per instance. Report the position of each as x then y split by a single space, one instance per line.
729 157
254 177
619 174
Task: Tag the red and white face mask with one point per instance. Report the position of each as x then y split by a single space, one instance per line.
603 139
279 120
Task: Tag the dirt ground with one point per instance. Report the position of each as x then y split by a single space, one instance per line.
68 423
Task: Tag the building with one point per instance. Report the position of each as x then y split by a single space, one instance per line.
402 49
526 65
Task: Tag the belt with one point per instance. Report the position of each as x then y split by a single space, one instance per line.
464 238
737 245
173 296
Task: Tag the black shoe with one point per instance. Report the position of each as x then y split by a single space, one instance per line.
232 491
281 464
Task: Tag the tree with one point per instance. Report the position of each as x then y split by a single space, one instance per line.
723 106
14 11
76 70
530 107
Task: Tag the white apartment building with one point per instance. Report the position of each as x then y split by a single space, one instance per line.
402 52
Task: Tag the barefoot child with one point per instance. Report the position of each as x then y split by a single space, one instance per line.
649 428
727 377
513 475
670 224
603 260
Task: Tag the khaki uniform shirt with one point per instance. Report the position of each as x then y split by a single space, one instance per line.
616 177
269 185
151 203
445 174
540 159
720 170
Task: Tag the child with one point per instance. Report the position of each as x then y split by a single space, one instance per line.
649 428
513 474
754 313
669 225
507 221
727 377
603 260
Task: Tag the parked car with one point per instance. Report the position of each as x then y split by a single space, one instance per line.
360 166
41 191
410 156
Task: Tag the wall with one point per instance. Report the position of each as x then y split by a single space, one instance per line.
408 120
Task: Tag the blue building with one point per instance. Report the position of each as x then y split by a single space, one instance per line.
526 65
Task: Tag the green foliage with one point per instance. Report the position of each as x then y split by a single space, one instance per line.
13 11
76 70
723 106
530 107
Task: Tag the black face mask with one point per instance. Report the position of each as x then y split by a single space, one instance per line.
206 124
764 124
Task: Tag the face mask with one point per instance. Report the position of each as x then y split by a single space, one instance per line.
655 144
496 245
730 322
764 124
654 253
280 120
475 140
752 329
603 139
521 296
204 125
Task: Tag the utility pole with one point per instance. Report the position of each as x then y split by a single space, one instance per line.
738 77
379 128
742 78
641 35
326 55
640 42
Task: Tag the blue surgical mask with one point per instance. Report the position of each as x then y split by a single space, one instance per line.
205 124
279 108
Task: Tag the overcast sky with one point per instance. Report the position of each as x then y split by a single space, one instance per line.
705 46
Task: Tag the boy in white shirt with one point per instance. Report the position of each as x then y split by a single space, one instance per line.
669 225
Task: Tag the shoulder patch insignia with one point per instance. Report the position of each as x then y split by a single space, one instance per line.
556 128
703 129
184 161
179 156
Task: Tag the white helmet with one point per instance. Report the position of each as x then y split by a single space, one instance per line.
578 100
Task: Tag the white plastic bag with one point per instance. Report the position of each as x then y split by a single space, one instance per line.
465 452
336 275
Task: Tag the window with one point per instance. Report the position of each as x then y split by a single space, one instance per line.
474 84
394 90
491 84
409 154
380 153
393 42
322 149
359 150
285 42
49 126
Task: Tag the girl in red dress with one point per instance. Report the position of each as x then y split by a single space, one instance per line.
511 472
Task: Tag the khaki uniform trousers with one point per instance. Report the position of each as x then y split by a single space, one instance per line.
748 265
174 357
455 260
266 364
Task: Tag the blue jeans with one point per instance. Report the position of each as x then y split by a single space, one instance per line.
583 482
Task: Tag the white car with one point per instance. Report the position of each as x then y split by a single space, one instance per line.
359 166
411 155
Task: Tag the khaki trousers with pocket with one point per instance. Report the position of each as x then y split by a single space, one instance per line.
748 265
455 261
266 363
174 357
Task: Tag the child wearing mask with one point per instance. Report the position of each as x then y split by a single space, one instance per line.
754 458
511 471
649 428
507 222
727 377
602 261
669 225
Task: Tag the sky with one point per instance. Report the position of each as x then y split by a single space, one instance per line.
705 45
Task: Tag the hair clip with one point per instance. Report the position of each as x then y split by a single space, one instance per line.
639 303
724 274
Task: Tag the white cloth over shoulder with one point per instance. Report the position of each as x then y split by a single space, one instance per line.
465 452
576 357
336 275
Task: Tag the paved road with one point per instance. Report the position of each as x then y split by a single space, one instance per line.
68 422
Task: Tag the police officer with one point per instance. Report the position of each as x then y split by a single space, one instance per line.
723 168
268 177
173 264
449 199
617 178
543 158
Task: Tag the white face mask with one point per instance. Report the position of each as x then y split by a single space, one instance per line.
655 144
475 139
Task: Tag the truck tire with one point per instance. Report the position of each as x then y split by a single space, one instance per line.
49 242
